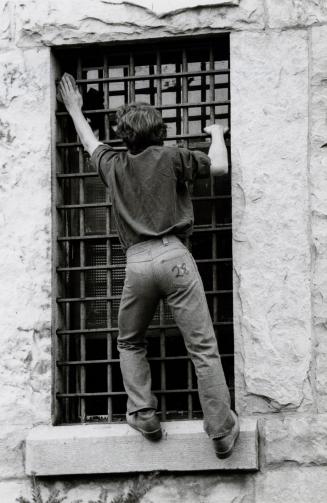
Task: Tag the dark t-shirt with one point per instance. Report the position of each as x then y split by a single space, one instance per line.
149 191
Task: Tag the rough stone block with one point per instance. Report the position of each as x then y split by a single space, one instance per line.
269 92
298 439
152 488
94 21
293 13
25 224
318 160
206 489
318 178
12 438
10 490
321 365
170 6
6 23
292 485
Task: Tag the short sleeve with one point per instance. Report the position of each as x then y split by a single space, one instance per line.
102 160
191 164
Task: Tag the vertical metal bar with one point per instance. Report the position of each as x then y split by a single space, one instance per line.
131 72
58 314
212 191
159 81
126 85
178 100
151 86
212 85
108 248
68 406
106 98
185 95
161 305
185 131
162 363
203 95
66 343
60 256
82 273
82 288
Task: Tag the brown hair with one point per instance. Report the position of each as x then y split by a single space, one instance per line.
140 125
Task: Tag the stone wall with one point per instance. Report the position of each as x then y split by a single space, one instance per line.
279 104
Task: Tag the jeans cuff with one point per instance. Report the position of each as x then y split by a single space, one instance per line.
223 431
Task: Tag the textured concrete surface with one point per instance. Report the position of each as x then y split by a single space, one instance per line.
171 6
294 439
279 121
271 216
295 13
116 448
25 226
292 484
318 158
87 21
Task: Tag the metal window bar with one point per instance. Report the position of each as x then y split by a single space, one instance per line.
108 245
90 264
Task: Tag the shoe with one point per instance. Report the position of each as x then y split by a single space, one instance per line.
146 422
224 445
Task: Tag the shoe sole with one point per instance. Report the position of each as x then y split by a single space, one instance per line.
149 435
226 454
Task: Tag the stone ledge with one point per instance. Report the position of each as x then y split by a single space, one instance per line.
116 448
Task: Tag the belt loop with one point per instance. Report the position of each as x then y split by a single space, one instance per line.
165 241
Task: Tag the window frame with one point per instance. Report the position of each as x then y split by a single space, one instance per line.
56 290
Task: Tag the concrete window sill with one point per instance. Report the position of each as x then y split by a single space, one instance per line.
116 448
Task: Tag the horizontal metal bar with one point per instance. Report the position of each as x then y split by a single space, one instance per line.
148 76
87 238
211 198
103 418
61 300
117 360
225 227
171 415
72 144
123 393
111 236
115 329
64 300
171 89
159 107
91 268
82 206
172 137
122 266
77 175
107 205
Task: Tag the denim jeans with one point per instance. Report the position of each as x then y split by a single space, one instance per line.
165 268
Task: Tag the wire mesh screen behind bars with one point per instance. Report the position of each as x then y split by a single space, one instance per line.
189 82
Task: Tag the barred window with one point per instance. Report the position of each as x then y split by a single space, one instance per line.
188 80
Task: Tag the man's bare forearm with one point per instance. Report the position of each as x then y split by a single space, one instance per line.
69 94
84 131
217 151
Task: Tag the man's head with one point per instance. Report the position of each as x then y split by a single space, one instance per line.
140 125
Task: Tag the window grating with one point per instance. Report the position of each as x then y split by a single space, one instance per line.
189 82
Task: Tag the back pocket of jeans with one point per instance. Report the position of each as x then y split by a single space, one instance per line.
176 269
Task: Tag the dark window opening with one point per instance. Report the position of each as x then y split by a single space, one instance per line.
189 82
